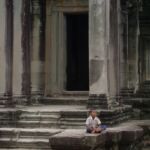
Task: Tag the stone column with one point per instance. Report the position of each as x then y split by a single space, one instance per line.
52 44
25 42
2 47
124 53
98 53
129 51
48 48
9 45
38 47
17 47
133 40
21 47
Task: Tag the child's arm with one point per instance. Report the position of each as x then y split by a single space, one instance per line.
88 124
98 121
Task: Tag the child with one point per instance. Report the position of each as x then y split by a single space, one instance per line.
93 123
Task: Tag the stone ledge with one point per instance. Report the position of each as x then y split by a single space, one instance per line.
80 140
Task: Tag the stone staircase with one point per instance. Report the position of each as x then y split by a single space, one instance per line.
4 101
15 138
36 119
144 90
140 106
29 127
128 93
66 100
140 100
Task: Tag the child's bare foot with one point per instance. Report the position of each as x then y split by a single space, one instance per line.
93 131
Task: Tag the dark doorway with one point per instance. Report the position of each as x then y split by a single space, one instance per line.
77 52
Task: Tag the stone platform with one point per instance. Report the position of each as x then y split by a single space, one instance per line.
124 137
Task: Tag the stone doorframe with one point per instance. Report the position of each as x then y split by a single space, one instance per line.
142 68
56 42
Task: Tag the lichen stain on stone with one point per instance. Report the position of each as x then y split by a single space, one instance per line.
96 67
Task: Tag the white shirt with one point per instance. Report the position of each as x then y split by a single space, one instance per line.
90 122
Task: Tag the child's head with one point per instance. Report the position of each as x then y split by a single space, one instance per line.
93 113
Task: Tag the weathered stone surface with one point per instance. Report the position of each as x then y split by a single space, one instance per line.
60 116
76 140
124 134
35 119
117 137
17 49
38 48
36 138
2 46
97 47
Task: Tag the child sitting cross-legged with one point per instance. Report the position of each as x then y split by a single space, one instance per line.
93 123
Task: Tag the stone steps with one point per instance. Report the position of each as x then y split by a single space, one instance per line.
7 117
5 101
82 100
21 149
16 138
22 132
37 124
70 123
68 118
138 102
140 106
31 126
127 93
63 118
144 90
39 117
24 143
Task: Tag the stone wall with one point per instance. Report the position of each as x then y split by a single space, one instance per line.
22 47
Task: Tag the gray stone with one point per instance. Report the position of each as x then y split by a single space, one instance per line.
76 140
112 137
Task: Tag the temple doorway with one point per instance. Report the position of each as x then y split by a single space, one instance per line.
77 68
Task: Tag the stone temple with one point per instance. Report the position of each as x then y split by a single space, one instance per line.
61 58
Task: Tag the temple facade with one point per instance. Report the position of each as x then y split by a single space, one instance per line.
61 58
96 47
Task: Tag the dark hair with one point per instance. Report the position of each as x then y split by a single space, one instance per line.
92 110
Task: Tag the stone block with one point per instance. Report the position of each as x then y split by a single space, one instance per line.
77 140
117 137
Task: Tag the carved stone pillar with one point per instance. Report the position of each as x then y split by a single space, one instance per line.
21 47
9 46
17 47
25 42
38 47
103 53
98 52
2 47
